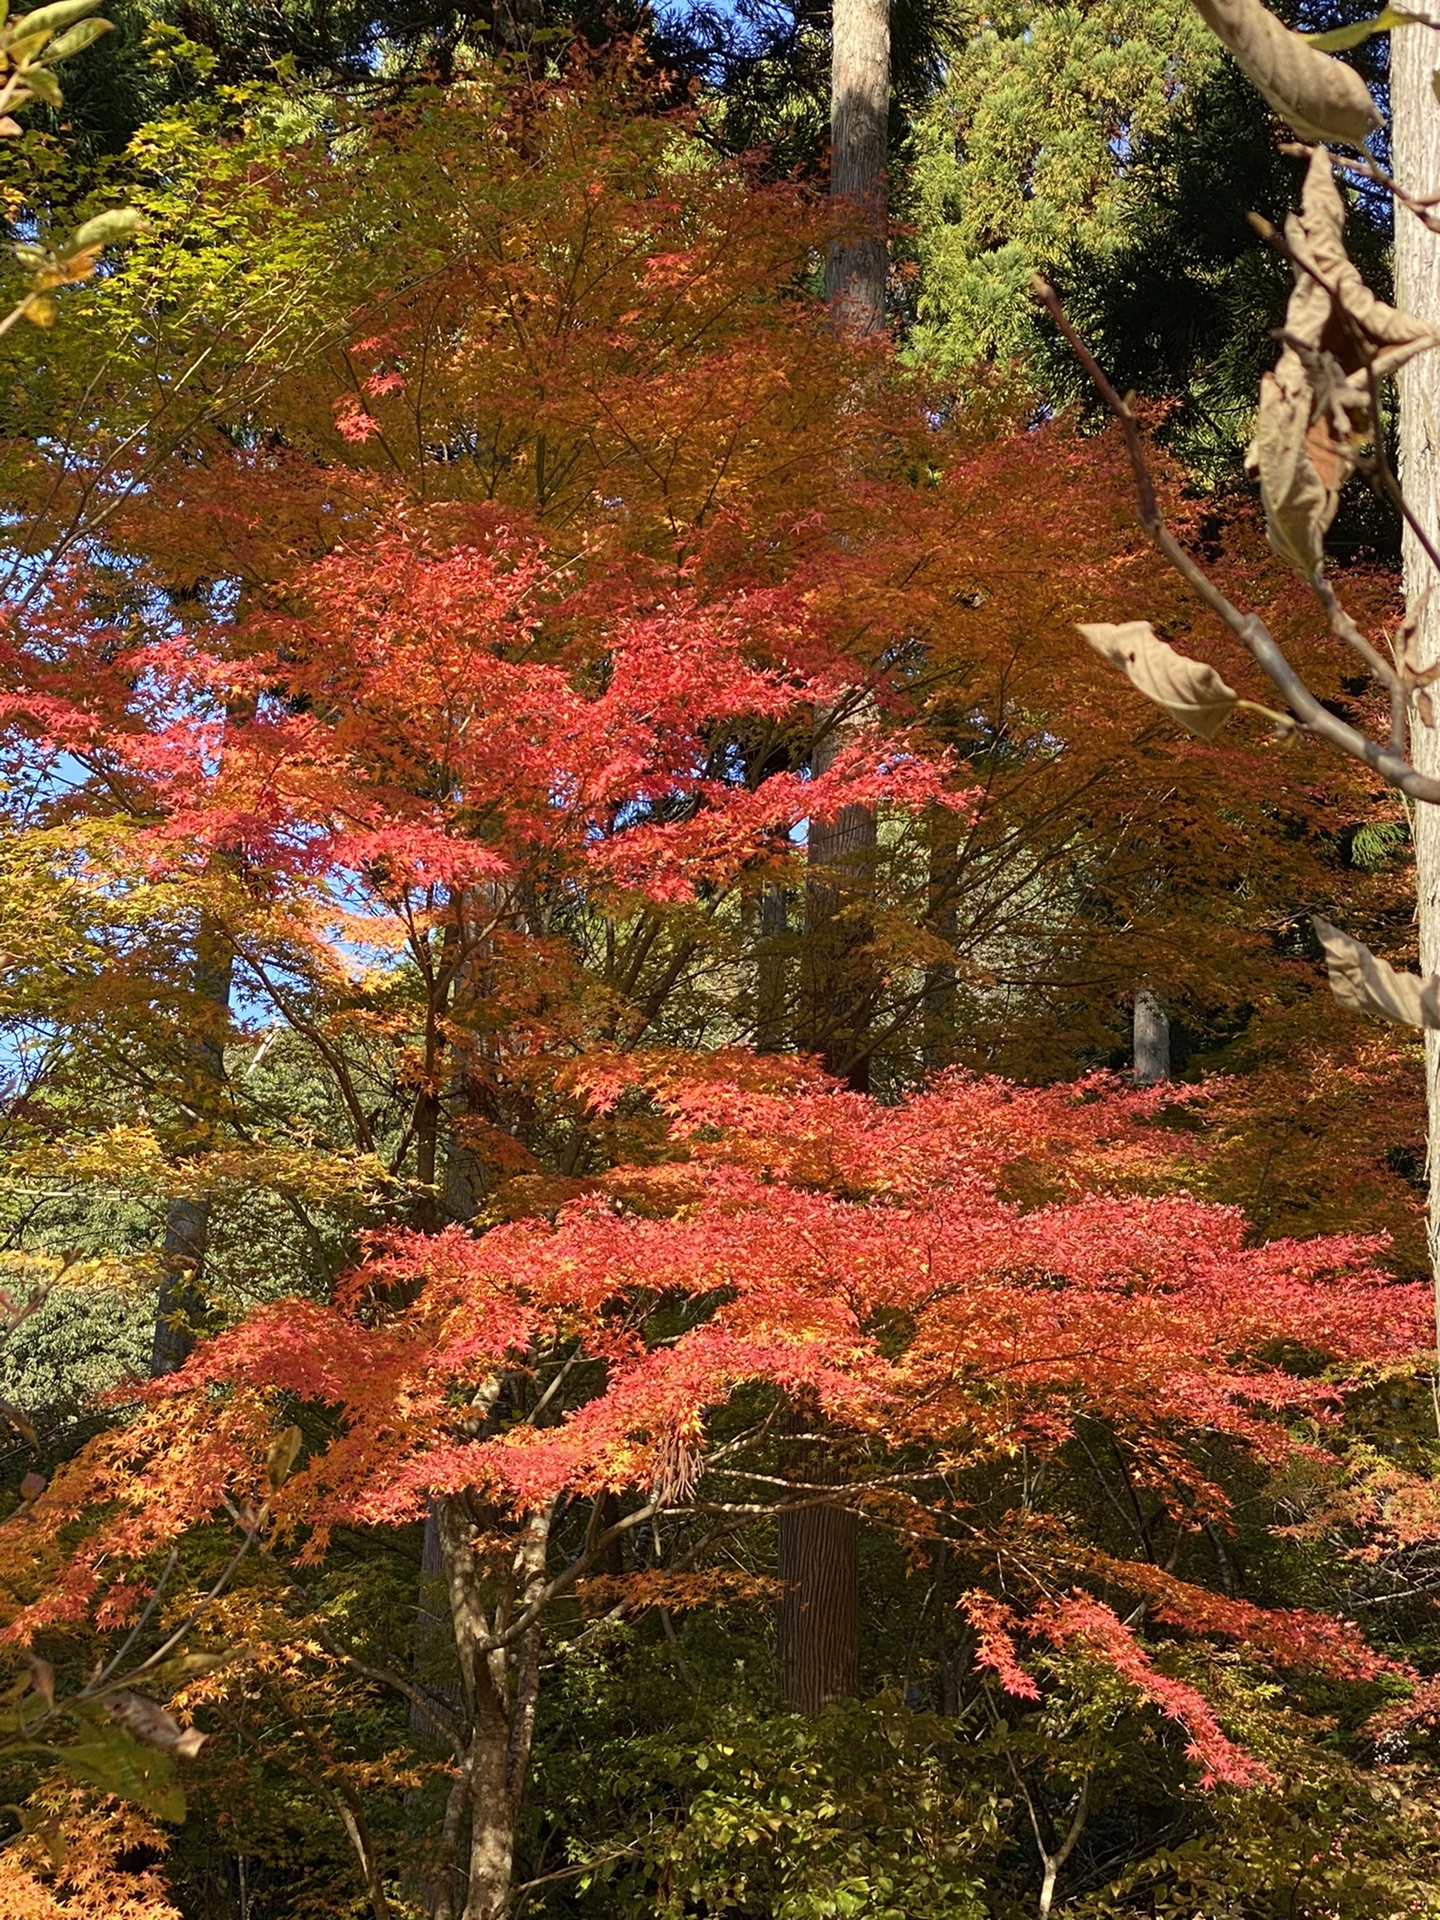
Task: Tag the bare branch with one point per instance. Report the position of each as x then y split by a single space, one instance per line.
1249 629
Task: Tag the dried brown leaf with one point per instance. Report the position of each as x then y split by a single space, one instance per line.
1322 98
1326 278
1363 982
1315 407
1190 691
1299 504
147 1721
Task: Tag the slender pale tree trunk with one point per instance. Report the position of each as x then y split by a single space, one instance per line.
1416 132
819 1558
500 1674
1151 1038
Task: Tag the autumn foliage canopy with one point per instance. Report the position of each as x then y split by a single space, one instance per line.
421 768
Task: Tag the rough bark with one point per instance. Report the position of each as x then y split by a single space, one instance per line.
1416 134
819 1620
842 854
859 125
1151 1030
819 1546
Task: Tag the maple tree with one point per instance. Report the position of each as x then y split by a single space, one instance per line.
463 695
800 1239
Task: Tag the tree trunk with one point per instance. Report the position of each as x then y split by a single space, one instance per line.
1416 134
819 1546
839 888
770 971
819 1554
501 1686
842 854
1151 1039
859 128
942 919
819 1623
492 1691
181 1298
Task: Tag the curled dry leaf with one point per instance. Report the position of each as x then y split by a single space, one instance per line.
1331 307
1190 691
1322 98
1299 493
1313 413
1366 984
145 1720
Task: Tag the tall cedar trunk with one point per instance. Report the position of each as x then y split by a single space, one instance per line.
819 1560
819 1623
1151 1039
859 127
181 1298
842 855
1416 134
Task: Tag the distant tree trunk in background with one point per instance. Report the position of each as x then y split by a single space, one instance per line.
819 1547
771 1034
1416 136
839 888
181 1299
1151 1039
942 919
